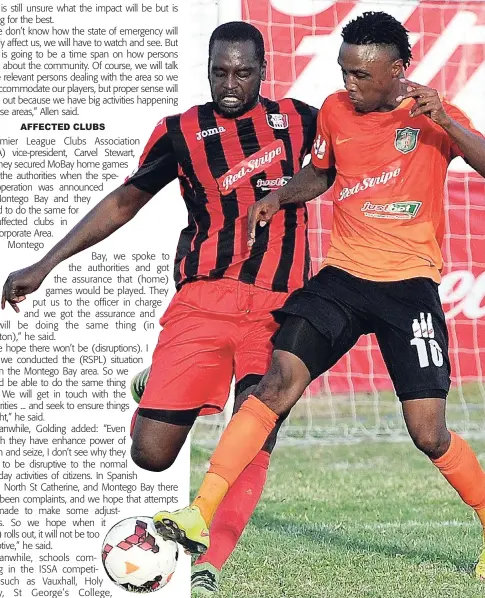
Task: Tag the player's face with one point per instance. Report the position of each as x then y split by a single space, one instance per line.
371 76
235 76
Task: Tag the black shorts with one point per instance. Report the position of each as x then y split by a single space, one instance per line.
406 317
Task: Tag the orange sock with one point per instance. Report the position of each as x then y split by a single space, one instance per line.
460 466
242 440
212 491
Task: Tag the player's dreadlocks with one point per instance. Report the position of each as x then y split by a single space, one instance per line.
239 31
381 29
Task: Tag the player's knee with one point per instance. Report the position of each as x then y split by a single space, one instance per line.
432 442
149 460
284 383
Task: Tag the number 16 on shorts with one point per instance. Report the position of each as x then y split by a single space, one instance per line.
424 341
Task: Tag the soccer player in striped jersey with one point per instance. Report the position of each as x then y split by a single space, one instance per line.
226 154
391 141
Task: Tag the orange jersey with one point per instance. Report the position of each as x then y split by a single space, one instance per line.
388 217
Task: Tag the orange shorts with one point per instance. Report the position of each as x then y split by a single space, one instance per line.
212 330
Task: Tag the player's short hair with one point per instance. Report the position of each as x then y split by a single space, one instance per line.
238 31
381 29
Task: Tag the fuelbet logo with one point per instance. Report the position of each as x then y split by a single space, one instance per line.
368 183
397 210
257 162
270 184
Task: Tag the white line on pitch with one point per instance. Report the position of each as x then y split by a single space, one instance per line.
412 524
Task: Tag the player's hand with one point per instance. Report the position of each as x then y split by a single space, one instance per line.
262 211
20 283
427 102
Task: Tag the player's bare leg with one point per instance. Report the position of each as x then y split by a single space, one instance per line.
156 444
425 420
426 424
243 438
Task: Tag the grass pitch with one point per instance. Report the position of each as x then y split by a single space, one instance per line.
367 520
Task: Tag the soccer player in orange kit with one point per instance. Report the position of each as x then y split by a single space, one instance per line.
391 141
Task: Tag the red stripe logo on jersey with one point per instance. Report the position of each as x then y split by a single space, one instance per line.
257 162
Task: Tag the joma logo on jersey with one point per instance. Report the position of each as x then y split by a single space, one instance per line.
257 162
397 210
208 132
369 182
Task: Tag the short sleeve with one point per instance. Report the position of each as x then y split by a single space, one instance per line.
462 119
322 150
311 129
158 164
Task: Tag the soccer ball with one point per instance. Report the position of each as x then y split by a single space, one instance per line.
136 558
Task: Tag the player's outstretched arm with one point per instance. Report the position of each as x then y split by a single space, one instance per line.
308 183
112 212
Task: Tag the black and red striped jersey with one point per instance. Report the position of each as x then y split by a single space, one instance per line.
223 166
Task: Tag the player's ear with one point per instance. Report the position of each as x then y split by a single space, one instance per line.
397 69
263 70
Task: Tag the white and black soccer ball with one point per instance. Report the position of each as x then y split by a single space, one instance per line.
136 558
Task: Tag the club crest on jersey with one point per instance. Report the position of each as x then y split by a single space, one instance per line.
277 121
406 140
